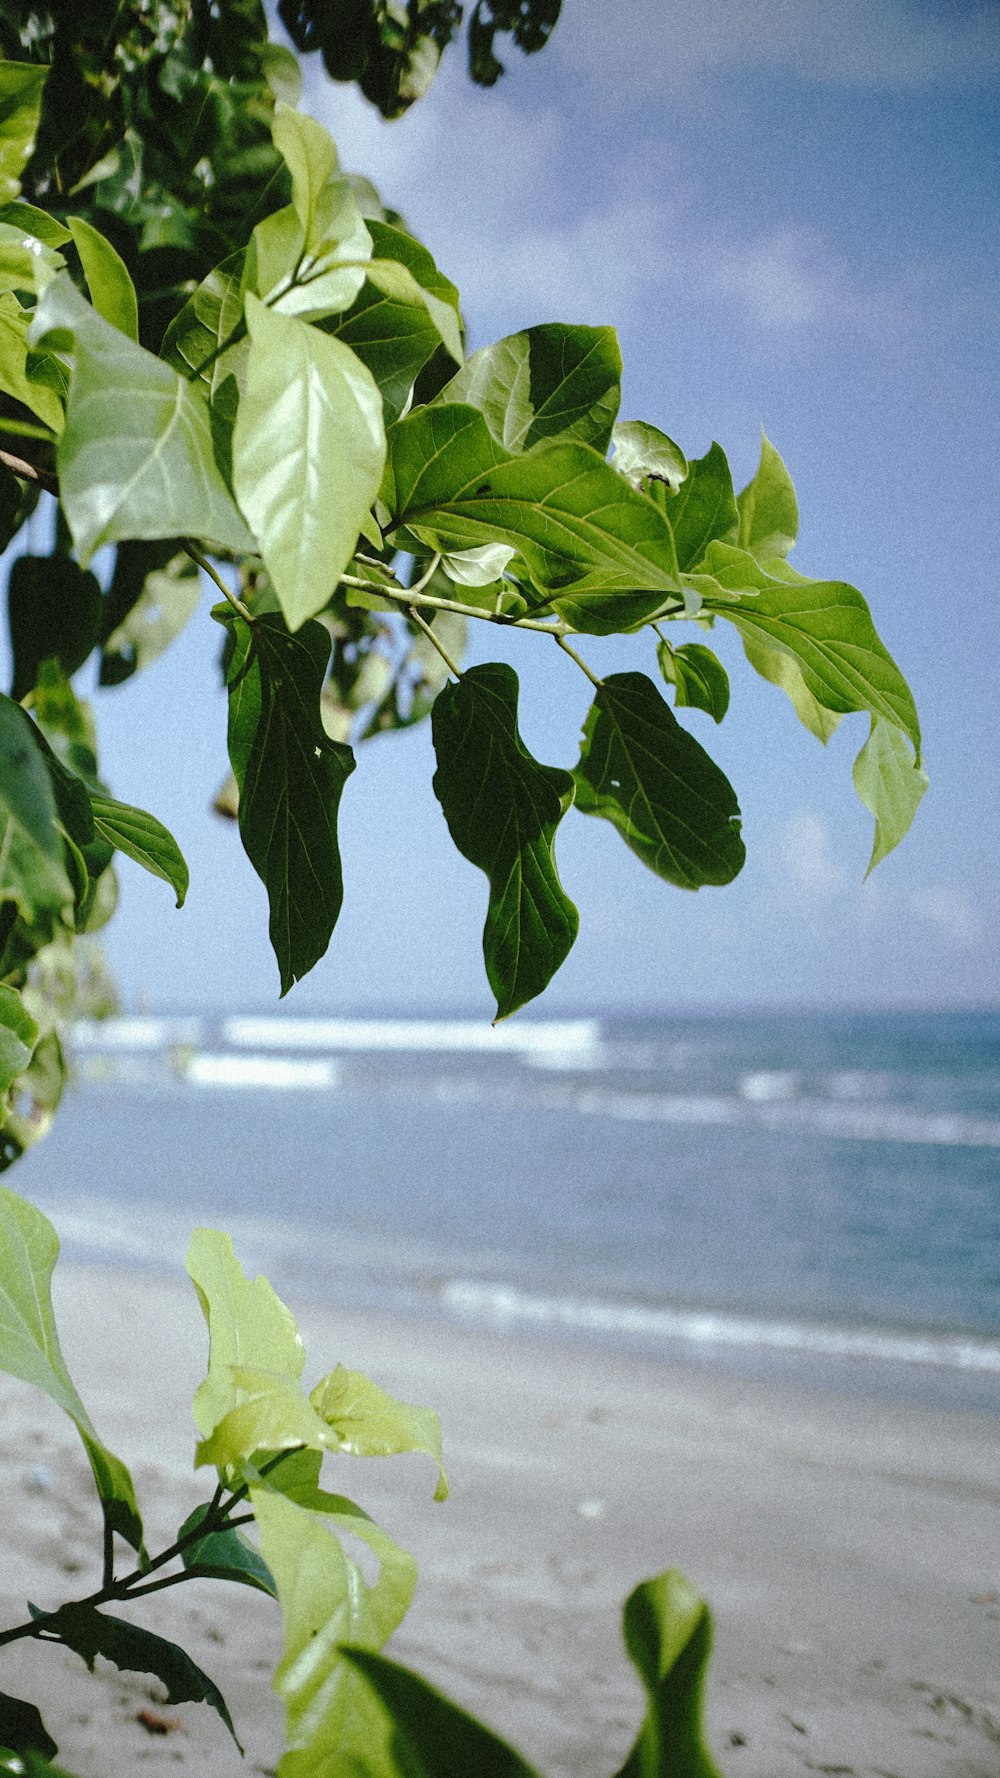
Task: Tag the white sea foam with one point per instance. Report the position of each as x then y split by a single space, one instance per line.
505 1304
136 1033
555 1036
848 1121
284 1073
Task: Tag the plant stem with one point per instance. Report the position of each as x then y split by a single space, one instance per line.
136 1583
29 472
564 645
415 617
205 565
402 596
108 1575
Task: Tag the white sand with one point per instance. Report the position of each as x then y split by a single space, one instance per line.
849 1549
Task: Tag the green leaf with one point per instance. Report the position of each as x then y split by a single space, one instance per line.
697 675
668 1634
22 1728
26 264
784 671
393 338
248 1325
769 511
824 625
112 291
310 155
502 808
38 223
224 1555
54 610
431 1737
308 454
549 381
22 85
890 784
15 369
397 281
602 554
669 801
29 1349
197 338
90 1633
18 1037
271 1414
136 459
395 243
154 592
368 1422
290 776
644 454
333 1723
140 836
704 508
32 872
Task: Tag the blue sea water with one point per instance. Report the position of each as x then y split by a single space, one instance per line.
805 1196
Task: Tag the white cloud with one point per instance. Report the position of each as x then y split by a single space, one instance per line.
948 911
490 186
658 44
804 861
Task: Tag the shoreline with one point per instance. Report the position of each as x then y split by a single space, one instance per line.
927 1365
848 1546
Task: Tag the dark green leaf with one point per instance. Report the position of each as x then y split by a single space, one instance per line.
72 798
290 776
225 1555
154 591
90 1633
671 804
549 381
22 1728
502 808
431 1737
17 502
394 339
704 508
769 511
602 554
823 625
18 1036
54 609
140 836
198 339
668 1634
697 675
32 873
21 87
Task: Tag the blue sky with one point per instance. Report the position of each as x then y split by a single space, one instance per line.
788 211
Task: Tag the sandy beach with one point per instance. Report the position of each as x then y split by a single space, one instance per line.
849 1548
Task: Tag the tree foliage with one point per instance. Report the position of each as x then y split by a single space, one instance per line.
222 357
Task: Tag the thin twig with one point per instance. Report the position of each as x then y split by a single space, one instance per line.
415 617
29 472
205 565
564 645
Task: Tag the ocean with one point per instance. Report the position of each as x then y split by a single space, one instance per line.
809 1197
